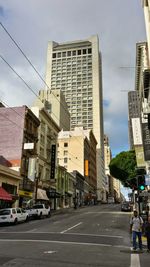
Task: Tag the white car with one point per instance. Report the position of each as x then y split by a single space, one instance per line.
13 215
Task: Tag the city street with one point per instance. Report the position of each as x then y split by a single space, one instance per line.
89 236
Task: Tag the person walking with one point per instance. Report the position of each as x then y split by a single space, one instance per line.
136 223
147 233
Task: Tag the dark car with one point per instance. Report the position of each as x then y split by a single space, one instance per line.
125 207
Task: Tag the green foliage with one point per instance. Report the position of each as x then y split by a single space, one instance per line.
123 167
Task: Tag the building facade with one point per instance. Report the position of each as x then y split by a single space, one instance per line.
108 157
55 104
46 152
9 182
19 122
76 69
77 151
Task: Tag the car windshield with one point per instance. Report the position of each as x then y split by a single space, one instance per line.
4 212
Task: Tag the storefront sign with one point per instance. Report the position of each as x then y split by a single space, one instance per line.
25 193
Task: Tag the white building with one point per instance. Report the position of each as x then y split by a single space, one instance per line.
55 104
75 68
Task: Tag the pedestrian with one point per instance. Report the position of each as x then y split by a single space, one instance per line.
136 223
147 232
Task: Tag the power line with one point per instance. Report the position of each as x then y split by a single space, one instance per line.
37 72
29 61
29 87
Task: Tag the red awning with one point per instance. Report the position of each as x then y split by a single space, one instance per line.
4 195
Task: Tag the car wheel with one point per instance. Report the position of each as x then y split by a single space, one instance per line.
15 221
40 215
27 218
49 215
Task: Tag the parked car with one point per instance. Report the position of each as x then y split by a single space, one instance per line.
125 206
40 210
13 215
32 213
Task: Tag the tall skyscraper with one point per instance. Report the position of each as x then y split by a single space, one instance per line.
75 68
146 7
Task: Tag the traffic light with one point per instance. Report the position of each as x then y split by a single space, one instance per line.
141 182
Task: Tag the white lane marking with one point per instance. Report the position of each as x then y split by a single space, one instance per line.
106 212
113 236
63 242
41 232
57 242
50 252
71 228
31 231
135 260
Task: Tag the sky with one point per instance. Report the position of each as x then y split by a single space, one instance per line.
32 23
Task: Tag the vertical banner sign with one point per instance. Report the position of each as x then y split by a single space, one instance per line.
31 169
136 129
53 161
146 140
86 167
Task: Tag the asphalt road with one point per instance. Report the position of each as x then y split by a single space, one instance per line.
89 236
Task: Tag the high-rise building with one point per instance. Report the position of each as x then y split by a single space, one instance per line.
141 65
75 68
146 7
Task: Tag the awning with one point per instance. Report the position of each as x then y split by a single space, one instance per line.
53 194
41 194
4 195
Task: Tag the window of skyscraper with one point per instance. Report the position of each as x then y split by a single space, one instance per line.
69 53
63 54
59 54
65 144
89 50
74 53
84 51
79 52
54 55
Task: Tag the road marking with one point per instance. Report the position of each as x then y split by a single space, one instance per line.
30 231
62 242
135 260
50 252
113 236
41 232
71 228
57 242
106 212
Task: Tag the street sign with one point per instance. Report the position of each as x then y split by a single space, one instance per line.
29 146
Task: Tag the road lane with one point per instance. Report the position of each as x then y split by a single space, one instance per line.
91 236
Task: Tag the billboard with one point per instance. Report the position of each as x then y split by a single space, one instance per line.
139 152
136 129
31 169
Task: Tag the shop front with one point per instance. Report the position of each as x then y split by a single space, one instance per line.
9 187
25 197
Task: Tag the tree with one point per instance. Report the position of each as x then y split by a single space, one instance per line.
123 167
